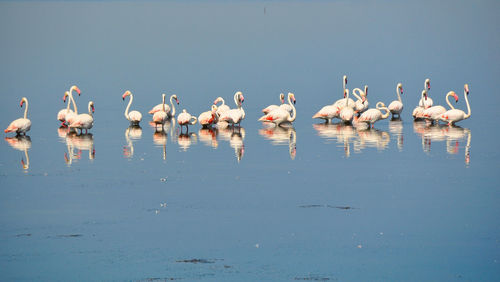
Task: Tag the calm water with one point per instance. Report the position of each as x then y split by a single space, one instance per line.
403 201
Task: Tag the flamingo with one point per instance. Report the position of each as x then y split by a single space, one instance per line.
61 115
166 108
84 121
361 103
271 108
234 116
134 116
373 115
159 117
70 116
396 107
332 111
280 115
21 143
453 116
427 102
20 125
347 113
418 111
433 112
343 101
208 118
222 108
185 118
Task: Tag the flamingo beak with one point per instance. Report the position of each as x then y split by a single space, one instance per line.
64 98
21 105
78 91
456 98
401 90
177 100
93 109
429 86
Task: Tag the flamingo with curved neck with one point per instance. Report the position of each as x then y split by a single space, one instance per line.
433 112
427 102
455 115
70 116
235 116
61 115
280 115
166 108
396 107
223 107
418 111
373 115
185 118
20 125
347 113
270 108
361 103
84 121
134 116
159 117
208 118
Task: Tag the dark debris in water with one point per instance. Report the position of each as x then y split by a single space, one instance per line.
69 235
327 206
312 278
160 279
198 260
24 235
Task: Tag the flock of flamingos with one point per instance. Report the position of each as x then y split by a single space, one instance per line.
346 109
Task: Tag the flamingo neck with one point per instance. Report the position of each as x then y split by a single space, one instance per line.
27 164
347 98
237 100
465 96
399 94
90 108
222 100
292 117
448 101
128 106
193 120
163 102
356 95
72 99
172 104
387 112
26 110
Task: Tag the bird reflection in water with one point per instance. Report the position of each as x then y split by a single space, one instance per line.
132 133
160 140
372 138
186 139
396 129
279 135
79 142
338 132
208 136
23 144
235 136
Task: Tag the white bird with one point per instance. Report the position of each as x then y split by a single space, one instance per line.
427 102
347 113
361 103
61 115
223 107
84 121
373 115
342 101
396 107
185 118
433 112
71 115
170 111
159 117
134 116
280 115
418 111
455 115
234 116
271 108
208 118
20 125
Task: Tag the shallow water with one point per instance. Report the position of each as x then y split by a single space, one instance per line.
402 201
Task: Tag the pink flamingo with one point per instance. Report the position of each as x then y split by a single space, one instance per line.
20 125
223 107
134 116
427 102
361 103
280 115
455 115
396 107
84 121
235 116
166 108
208 118
159 117
271 108
373 115
185 118
67 115
347 112
419 110
433 112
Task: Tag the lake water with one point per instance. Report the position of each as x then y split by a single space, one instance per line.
403 201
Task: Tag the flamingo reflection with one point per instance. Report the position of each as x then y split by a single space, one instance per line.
80 142
21 143
338 132
396 129
186 139
208 136
160 140
132 133
372 138
235 136
279 135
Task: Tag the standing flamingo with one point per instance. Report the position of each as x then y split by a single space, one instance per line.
396 107
419 110
433 112
234 116
427 102
361 103
185 118
166 108
20 125
161 116
332 111
223 107
61 115
343 101
347 113
70 116
134 116
270 108
373 115
208 118
455 115
84 121
280 115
